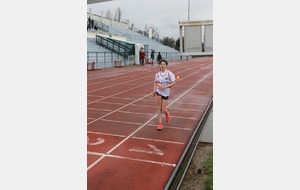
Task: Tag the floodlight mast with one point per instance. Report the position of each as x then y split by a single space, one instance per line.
188 10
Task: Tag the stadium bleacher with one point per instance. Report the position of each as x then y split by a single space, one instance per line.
105 58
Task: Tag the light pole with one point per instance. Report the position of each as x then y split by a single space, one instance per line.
188 10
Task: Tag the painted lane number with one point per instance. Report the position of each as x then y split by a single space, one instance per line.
99 141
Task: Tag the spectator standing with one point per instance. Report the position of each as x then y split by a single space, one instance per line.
142 57
152 56
92 23
158 57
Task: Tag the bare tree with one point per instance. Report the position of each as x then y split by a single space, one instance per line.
118 14
152 32
155 32
146 32
108 14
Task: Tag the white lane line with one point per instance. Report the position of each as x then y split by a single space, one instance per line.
96 96
97 161
191 103
133 159
136 87
132 73
181 117
145 75
157 140
118 84
128 103
110 103
146 100
119 98
136 105
107 134
183 109
121 142
137 113
120 92
131 103
118 109
98 109
190 89
135 123
172 127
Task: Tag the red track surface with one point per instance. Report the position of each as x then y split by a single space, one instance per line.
125 151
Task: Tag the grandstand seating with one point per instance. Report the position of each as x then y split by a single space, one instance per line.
109 57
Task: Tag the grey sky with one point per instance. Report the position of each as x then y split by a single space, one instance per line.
161 14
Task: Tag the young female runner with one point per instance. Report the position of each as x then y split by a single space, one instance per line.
163 82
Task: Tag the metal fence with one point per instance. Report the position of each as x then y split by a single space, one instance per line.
102 59
107 59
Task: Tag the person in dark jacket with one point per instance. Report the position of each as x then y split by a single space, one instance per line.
152 57
158 57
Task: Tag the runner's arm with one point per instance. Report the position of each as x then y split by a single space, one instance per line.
168 86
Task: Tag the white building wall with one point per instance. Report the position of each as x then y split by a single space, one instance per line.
208 38
193 39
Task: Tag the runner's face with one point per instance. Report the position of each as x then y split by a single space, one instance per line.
163 65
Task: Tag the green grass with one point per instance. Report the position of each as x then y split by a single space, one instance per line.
208 168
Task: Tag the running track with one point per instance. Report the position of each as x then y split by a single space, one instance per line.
125 151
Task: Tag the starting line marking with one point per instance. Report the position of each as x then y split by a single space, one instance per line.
154 148
134 159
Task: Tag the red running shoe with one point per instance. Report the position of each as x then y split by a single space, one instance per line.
168 117
159 127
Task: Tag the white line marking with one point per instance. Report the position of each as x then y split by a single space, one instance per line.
180 117
172 127
118 79
121 121
121 142
99 141
108 134
133 159
121 92
154 148
128 73
137 87
183 109
123 98
147 139
92 165
110 103
96 96
145 106
118 84
191 104
98 109
137 113
118 109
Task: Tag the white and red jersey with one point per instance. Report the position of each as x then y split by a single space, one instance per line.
164 78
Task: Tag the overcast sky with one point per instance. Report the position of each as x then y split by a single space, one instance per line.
161 14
